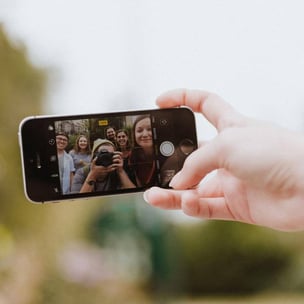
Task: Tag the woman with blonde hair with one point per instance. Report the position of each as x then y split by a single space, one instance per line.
81 153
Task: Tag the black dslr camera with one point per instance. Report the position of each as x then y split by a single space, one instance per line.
104 158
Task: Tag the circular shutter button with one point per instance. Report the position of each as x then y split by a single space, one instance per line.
166 148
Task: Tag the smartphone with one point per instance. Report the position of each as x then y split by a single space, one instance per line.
82 156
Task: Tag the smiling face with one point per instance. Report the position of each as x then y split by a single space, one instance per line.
61 142
122 139
82 143
143 133
110 134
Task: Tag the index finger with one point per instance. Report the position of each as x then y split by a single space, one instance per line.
214 108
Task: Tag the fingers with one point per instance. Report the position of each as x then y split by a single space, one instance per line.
163 198
214 108
197 165
189 202
210 156
210 208
211 187
117 160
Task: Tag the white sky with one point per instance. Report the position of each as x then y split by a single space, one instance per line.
120 54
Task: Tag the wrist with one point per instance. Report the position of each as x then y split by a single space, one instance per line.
91 176
119 169
91 182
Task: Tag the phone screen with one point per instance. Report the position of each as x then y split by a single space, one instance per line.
99 154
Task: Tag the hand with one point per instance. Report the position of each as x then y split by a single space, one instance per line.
258 170
117 161
98 172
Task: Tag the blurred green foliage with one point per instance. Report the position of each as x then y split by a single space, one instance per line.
213 257
22 88
228 258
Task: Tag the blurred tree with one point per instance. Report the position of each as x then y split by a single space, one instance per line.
227 258
22 88
129 219
30 235
208 258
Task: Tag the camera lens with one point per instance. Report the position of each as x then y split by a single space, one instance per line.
104 158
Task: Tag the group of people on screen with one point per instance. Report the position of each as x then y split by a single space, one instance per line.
110 163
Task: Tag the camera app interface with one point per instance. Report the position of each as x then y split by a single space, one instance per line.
110 154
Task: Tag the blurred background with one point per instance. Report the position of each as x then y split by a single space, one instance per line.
60 57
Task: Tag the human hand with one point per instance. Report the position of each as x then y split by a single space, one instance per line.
98 171
258 169
117 161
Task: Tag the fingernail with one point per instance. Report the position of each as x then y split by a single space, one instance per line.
173 182
146 196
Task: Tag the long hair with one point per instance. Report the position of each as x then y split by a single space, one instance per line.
76 146
136 121
143 164
138 154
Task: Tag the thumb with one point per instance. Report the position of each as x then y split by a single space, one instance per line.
197 165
